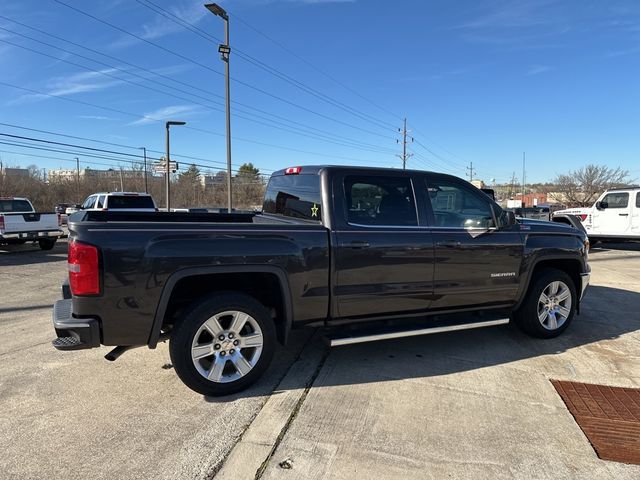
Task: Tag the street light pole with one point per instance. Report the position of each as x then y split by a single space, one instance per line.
225 52
168 161
144 151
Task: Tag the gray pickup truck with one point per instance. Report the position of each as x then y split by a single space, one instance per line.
364 253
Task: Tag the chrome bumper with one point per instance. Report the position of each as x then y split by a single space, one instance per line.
584 280
32 235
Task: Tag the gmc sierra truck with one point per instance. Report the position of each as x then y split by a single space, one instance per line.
365 253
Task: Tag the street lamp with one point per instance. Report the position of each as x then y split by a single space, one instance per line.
144 151
168 161
225 52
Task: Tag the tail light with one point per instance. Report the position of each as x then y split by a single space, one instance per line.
582 217
59 220
84 270
1 221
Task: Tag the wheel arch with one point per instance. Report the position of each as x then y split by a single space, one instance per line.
571 266
269 284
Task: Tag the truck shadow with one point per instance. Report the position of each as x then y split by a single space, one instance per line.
30 254
606 246
607 313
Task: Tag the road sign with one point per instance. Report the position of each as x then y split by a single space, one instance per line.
161 167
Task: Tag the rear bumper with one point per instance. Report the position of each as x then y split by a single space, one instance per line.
30 236
73 333
584 281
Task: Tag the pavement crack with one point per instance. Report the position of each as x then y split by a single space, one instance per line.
292 416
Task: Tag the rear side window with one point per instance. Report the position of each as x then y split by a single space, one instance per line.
129 201
100 202
384 201
296 196
616 200
8 206
638 199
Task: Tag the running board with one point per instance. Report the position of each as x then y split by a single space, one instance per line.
374 337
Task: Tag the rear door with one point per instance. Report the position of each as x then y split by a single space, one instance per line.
635 217
383 254
614 215
475 263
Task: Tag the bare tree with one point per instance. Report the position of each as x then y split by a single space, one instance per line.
581 187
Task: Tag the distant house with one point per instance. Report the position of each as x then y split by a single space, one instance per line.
15 172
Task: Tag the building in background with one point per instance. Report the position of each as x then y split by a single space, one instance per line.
15 172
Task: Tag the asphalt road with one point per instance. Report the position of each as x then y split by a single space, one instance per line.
474 404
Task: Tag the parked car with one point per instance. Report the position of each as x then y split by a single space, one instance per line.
614 216
537 213
61 208
70 210
366 253
20 223
122 201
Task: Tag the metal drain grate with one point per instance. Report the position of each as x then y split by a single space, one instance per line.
608 416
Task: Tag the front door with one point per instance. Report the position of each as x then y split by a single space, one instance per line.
613 217
475 263
383 256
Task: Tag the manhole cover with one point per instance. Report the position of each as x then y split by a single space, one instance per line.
608 416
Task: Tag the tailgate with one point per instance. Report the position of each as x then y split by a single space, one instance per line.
29 222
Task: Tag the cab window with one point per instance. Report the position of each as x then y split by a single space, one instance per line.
615 200
638 199
385 201
458 206
100 202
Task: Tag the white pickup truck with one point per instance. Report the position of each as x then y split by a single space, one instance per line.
20 223
615 215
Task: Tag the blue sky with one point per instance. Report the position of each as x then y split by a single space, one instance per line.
479 81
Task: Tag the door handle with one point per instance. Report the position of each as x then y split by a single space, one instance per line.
623 214
358 244
451 244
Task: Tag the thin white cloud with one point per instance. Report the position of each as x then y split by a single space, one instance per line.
538 69
161 26
167 113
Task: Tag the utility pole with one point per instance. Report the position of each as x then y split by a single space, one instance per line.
405 156
78 179
168 163
121 181
144 151
470 171
523 178
513 184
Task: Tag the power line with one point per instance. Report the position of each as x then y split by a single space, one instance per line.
288 129
264 66
19 127
158 74
138 116
317 69
183 57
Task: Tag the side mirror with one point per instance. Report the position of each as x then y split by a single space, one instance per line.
601 205
509 218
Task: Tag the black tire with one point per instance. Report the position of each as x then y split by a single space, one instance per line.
190 323
47 244
527 316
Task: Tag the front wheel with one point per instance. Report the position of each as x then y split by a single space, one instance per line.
550 305
47 244
222 345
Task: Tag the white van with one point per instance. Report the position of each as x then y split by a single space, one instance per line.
616 215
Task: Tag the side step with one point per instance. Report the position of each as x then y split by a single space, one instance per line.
369 336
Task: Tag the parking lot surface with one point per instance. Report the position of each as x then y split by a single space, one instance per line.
474 404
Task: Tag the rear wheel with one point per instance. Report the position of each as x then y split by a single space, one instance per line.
223 345
46 243
550 305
